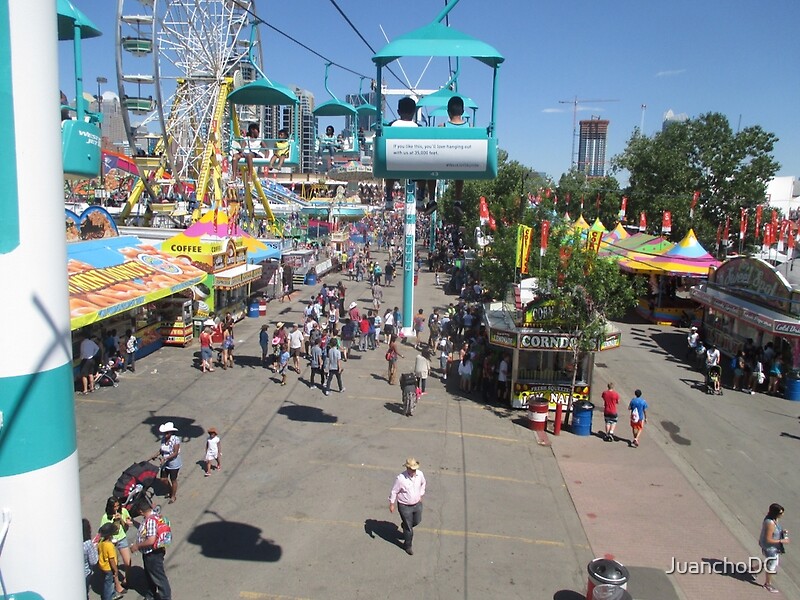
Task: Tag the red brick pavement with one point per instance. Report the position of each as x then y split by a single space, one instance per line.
638 508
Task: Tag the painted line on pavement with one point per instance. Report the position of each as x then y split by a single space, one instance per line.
429 472
262 596
459 434
94 400
444 532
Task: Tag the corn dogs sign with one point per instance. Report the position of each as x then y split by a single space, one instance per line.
130 276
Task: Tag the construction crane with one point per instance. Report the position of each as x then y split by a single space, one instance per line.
575 101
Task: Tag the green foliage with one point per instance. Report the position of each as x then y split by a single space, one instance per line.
730 170
575 185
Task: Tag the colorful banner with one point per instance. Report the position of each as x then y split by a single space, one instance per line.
695 198
666 222
527 237
111 276
483 211
622 208
642 222
544 238
593 241
742 224
759 210
520 231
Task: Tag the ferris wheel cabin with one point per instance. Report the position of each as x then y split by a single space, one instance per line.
436 152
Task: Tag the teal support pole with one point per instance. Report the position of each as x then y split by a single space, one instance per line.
408 257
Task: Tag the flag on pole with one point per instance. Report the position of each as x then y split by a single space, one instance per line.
520 231
726 232
483 211
527 238
642 222
567 199
759 209
545 236
622 208
581 205
666 222
790 241
695 198
742 224
492 223
719 236
597 204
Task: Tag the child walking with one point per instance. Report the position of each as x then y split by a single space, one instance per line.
213 451
107 561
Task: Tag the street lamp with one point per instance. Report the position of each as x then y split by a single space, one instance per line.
100 80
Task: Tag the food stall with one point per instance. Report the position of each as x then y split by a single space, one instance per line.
747 298
119 282
542 357
220 248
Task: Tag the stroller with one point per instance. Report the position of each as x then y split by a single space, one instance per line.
135 484
714 380
408 386
106 375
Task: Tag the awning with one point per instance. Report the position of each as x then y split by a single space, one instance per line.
112 275
236 276
754 314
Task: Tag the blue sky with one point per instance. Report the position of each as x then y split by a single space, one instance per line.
736 57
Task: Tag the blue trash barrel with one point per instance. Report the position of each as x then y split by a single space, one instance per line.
252 309
792 389
582 418
311 278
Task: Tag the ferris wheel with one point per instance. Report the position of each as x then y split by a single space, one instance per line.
176 62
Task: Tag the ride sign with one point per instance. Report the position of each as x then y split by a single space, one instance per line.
436 155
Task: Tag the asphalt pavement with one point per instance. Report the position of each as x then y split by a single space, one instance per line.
300 507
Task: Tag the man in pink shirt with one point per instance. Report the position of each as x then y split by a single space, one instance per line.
407 493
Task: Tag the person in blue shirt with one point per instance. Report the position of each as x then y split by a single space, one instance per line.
638 408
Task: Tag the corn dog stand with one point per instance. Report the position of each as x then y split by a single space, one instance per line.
542 359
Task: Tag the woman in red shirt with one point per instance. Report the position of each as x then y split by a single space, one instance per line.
205 350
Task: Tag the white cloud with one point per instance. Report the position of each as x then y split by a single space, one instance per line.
552 110
671 73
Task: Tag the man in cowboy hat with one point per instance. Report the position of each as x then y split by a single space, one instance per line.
407 493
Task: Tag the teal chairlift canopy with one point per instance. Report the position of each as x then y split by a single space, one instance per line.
437 152
80 137
263 92
336 108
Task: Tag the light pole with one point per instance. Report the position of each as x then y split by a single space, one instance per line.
100 80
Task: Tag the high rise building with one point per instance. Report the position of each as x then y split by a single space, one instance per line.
592 147
365 121
670 118
307 131
112 127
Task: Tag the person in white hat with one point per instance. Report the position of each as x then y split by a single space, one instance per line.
170 455
407 493
691 342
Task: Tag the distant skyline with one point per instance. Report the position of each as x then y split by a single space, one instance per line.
735 57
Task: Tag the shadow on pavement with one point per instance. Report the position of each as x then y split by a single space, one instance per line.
187 430
386 530
728 569
310 414
674 431
649 582
568 595
395 407
248 361
230 540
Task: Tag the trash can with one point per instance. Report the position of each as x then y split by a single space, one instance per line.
416 278
582 418
252 309
610 592
792 389
604 571
262 307
311 278
537 413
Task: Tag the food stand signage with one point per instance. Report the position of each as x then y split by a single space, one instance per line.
540 313
552 392
503 338
611 341
546 341
787 328
754 279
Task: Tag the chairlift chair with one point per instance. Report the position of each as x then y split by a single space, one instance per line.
437 152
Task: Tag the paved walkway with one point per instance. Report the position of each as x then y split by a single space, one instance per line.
299 510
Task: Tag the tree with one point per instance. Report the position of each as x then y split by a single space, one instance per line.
730 170
587 291
603 193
